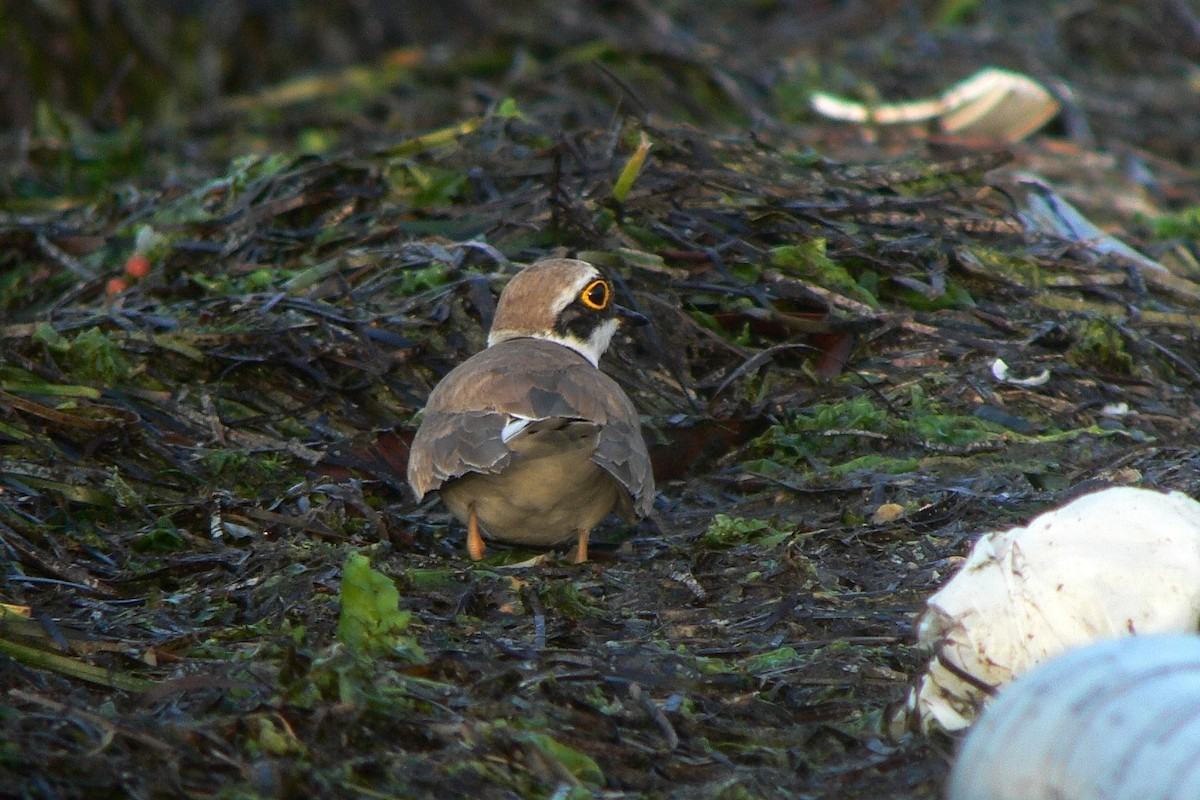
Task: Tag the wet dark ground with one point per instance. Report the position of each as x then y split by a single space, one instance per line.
185 465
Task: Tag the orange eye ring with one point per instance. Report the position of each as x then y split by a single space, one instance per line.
596 295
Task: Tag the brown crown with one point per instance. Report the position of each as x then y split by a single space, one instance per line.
537 294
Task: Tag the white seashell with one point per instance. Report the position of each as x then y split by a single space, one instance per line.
1119 562
1001 372
993 103
1119 720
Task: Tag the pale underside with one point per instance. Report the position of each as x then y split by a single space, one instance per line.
550 491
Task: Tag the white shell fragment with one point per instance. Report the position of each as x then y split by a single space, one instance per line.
993 103
1119 720
1001 372
1118 562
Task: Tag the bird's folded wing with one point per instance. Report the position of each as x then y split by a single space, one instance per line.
622 452
450 444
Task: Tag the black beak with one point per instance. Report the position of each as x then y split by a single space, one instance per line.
630 317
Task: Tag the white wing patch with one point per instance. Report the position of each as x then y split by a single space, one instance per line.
514 426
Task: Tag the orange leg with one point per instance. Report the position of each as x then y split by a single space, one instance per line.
475 545
580 554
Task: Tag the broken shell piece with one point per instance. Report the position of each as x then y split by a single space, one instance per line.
888 512
993 104
1042 211
1118 562
1001 373
1118 720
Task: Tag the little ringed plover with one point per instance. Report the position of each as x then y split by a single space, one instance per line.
528 441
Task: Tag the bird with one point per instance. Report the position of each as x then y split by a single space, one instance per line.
527 441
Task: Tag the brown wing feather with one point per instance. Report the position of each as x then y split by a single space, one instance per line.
474 400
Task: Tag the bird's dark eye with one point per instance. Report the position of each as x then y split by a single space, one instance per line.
596 295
